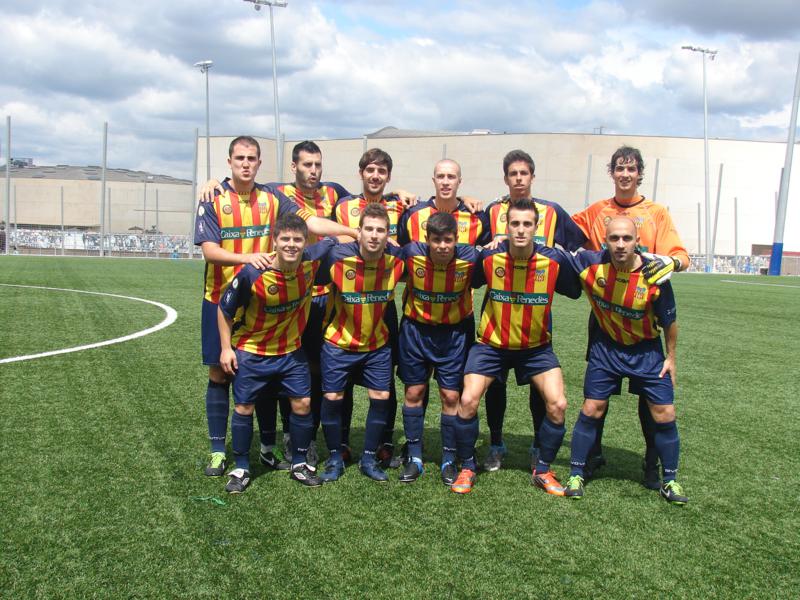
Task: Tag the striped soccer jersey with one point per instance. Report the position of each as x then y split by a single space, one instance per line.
555 225
348 211
473 229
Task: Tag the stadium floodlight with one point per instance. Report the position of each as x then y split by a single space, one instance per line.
204 66
712 54
257 4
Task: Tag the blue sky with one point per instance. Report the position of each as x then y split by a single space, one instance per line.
350 67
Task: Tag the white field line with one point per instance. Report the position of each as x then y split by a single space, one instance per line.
169 319
762 284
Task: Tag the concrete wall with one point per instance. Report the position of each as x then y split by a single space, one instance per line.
751 173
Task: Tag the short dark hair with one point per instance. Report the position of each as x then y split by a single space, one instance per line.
246 140
376 210
523 204
304 146
376 156
441 223
517 156
627 153
289 222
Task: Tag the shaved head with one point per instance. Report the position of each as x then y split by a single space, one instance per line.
448 162
622 221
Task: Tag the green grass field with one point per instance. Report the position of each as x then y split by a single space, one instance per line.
103 493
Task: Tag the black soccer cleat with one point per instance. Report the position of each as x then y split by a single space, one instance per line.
412 470
271 461
238 480
304 474
449 474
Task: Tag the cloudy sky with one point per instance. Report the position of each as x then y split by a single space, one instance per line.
350 67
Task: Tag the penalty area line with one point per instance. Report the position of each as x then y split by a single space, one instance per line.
169 319
761 284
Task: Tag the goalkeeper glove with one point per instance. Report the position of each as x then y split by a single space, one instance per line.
659 268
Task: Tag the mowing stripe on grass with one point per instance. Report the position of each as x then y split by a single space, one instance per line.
169 319
762 284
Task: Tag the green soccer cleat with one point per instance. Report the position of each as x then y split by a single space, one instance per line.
672 492
574 488
217 464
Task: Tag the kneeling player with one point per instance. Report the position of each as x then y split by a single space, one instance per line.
363 276
514 331
630 314
435 334
275 303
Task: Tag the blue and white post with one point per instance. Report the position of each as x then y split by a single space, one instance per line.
783 198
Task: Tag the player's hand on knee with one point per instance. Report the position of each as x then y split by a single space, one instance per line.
659 268
669 367
227 361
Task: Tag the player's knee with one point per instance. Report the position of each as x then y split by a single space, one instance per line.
301 406
414 395
217 375
556 409
244 409
468 405
449 400
378 394
594 409
662 413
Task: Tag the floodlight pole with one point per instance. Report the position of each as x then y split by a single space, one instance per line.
278 143
712 53
204 66
8 184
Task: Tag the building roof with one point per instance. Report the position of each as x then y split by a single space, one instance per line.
91 173
394 132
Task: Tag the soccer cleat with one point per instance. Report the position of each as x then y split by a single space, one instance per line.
346 454
593 464
672 492
651 478
494 460
449 473
304 474
384 455
238 480
412 470
371 469
312 456
548 482
464 482
217 464
574 487
271 461
334 469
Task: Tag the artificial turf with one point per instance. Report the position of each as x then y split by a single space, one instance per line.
103 493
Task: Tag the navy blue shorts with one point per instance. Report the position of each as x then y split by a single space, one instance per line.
209 334
442 348
371 369
257 372
641 363
494 362
313 335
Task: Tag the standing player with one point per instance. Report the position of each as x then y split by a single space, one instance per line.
554 228
515 331
657 235
273 305
375 171
630 313
357 346
435 333
234 230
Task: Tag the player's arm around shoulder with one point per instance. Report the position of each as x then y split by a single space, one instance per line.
568 280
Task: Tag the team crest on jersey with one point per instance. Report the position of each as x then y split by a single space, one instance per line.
201 211
640 293
606 221
419 272
601 281
354 212
235 283
462 227
273 289
227 209
424 226
350 274
460 275
262 208
503 218
500 272
541 274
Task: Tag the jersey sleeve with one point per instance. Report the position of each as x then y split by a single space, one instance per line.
568 234
319 250
238 292
206 225
668 242
341 192
402 229
664 306
568 282
486 228
583 221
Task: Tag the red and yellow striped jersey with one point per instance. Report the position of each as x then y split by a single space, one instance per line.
275 304
348 211
239 224
625 306
434 294
555 225
473 229
519 295
360 292
656 230
320 203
